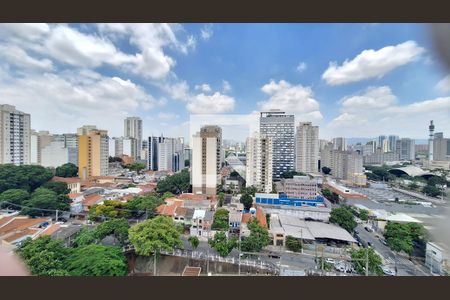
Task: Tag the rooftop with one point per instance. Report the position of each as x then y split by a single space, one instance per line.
66 179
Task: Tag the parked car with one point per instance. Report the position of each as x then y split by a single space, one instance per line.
369 244
273 255
387 271
368 229
383 241
330 261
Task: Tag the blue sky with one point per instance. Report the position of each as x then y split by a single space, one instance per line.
354 80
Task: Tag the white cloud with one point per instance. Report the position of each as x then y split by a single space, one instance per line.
216 103
226 86
444 84
206 32
61 102
301 67
377 111
372 63
290 98
178 90
14 55
372 98
203 87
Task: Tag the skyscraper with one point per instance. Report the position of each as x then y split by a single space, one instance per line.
14 136
206 160
133 129
165 154
71 142
307 148
441 147
339 143
406 149
259 162
279 127
380 141
93 153
392 143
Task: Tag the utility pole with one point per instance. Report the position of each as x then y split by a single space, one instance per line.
154 264
322 261
367 261
239 265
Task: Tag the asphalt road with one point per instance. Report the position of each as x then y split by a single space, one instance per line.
405 267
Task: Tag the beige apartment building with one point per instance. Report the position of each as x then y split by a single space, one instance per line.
92 153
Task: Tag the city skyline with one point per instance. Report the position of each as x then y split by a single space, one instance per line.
386 81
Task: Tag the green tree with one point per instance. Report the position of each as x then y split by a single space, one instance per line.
67 170
151 236
167 195
293 244
364 214
194 241
109 209
136 167
343 217
97 260
398 237
274 188
432 191
222 244
332 196
26 177
147 203
57 187
359 261
16 196
413 186
326 170
177 183
247 201
251 190
117 227
221 197
187 162
43 198
220 221
84 237
44 256
258 238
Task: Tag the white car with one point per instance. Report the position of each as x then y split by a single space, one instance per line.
330 260
387 271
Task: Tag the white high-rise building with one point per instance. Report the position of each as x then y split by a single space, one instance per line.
133 129
280 128
259 162
406 149
206 160
339 143
56 154
307 148
15 136
71 142
392 143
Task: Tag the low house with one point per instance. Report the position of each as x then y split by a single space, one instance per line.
234 219
66 233
197 222
73 183
208 221
15 229
90 201
76 206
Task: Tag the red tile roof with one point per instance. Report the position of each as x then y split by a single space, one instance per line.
20 234
92 199
51 229
246 217
188 196
21 223
74 195
168 209
5 220
261 217
66 179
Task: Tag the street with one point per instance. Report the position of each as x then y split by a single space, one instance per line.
405 267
